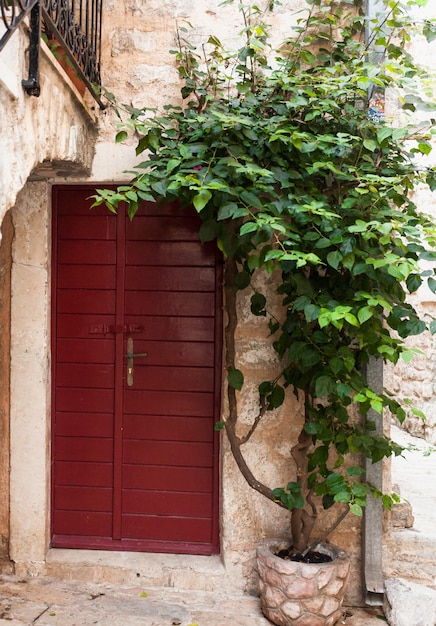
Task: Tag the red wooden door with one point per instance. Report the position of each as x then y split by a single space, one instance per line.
135 456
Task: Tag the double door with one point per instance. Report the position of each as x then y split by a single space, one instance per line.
136 338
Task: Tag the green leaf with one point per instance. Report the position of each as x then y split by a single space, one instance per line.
355 470
356 509
235 378
209 230
277 397
364 314
312 428
323 386
121 136
231 210
418 413
258 302
370 144
201 199
334 258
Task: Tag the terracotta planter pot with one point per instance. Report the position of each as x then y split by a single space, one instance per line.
62 59
301 594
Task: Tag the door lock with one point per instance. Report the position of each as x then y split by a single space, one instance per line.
130 356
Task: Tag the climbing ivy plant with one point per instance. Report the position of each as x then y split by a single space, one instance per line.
294 167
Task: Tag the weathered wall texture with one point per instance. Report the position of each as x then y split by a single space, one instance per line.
7 233
56 129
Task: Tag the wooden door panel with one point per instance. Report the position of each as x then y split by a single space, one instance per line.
173 279
199 329
84 449
174 378
85 326
174 353
196 479
169 403
99 375
82 351
184 504
86 523
167 253
134 458
84 424
86 301
76 399
161 528
89 226
175 304
82 276
84 473
168 453
158 227
84 498
158 427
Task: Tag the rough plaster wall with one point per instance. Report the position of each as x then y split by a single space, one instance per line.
30 376
5 328
57 129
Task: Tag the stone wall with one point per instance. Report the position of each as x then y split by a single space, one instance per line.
55 132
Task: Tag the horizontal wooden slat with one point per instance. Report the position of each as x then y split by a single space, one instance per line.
168 253
86 252
98 375
78 351
161 209
77 399
172 304
89 226
75 201
91 449
195 404
93 301
173 353
170 278
86 523
166 528
86 276
84 424
83 473
174 328
172 378
196 479
168 453
83 499
180 504
164 228
157 427
81 326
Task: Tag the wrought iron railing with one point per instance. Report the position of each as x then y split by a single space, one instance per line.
74 24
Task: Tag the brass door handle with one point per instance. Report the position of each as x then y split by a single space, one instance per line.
130 356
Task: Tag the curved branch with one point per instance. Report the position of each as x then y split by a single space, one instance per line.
341 517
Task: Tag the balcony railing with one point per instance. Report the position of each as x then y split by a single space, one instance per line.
74 24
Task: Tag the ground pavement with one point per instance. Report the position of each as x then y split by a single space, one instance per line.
45 602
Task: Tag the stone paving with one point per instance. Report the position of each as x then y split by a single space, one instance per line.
45 602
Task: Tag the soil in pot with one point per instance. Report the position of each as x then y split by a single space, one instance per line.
310 557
